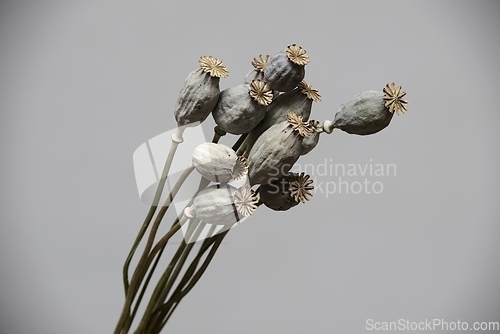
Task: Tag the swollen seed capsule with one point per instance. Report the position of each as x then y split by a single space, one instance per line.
224 204
239 109
285 70
371 111
200 92
218 163
276 194
277 149
286 192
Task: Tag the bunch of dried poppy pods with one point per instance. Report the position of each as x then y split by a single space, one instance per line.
271 110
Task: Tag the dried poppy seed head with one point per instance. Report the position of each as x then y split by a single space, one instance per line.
393 97
282 74
236 111
261 92
213 66
364 114
297 54
301 187
215 205
215 162
308 91
245 200
200 92
304 129
240 168
260 63
274 153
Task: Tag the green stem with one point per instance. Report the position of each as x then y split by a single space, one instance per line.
176 140
123 322
243 146
173 274
239 141
196 277
164 309
163 280
143 265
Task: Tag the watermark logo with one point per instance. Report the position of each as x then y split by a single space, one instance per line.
334 178
149 160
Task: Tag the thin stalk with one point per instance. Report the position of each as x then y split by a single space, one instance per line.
163 309
239 141
171 278
164 278
198 274
120 327
243 146
142 265
166 309
176 140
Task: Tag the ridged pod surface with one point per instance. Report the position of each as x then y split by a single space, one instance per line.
200 92
276 150
214 205
237 112
364 114
282 74
215 162
197 98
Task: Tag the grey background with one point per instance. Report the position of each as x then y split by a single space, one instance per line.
84 83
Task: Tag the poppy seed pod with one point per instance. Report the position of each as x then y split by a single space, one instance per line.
369 112
299 100
218 163
277 149
286 192
200 92
285 70
239 109
224 204
276 196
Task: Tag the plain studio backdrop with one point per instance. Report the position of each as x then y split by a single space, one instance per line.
85 83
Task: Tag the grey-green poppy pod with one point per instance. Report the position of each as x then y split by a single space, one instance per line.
285 70
286 192
277 149
369 112
239 109
200 92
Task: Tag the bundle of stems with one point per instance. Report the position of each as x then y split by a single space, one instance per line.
165 298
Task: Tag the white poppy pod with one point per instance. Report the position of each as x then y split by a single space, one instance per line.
218 162
224 204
